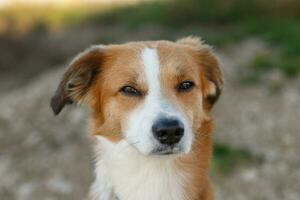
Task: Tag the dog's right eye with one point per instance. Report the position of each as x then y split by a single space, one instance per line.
130 91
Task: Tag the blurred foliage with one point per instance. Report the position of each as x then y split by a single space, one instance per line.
209 12
222 22
226 158
20 19
277 22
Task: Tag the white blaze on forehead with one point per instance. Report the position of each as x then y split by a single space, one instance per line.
151 65
155 99
150 60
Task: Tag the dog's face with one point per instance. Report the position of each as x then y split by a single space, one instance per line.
155 95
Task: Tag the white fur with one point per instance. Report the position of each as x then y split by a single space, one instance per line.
139 126
135 176
101 188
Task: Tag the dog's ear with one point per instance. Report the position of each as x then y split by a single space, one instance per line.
211 76
78 78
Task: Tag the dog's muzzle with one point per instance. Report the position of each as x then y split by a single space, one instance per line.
168 132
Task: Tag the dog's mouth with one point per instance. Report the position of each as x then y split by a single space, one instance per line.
166 150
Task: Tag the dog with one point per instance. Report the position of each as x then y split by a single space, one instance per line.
150 103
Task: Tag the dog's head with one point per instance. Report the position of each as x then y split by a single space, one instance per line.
155 95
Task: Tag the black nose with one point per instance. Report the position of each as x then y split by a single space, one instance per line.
168 131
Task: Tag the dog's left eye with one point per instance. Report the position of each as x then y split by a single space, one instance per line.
185 86
130 91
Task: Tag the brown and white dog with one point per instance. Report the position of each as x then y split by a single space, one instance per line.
150 104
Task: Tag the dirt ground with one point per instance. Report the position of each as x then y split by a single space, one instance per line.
50 158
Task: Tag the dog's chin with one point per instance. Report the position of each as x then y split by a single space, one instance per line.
167 150
162 150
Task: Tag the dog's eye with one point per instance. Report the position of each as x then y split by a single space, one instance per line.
185 86
130 91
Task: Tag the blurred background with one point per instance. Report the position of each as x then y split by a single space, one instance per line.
257 133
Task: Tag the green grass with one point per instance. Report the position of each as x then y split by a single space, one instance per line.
226 158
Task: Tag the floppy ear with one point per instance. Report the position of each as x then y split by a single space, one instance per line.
78 78
212 78
210 72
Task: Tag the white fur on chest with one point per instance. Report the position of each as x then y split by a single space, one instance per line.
121 170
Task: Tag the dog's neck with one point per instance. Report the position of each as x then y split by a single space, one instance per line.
123 172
